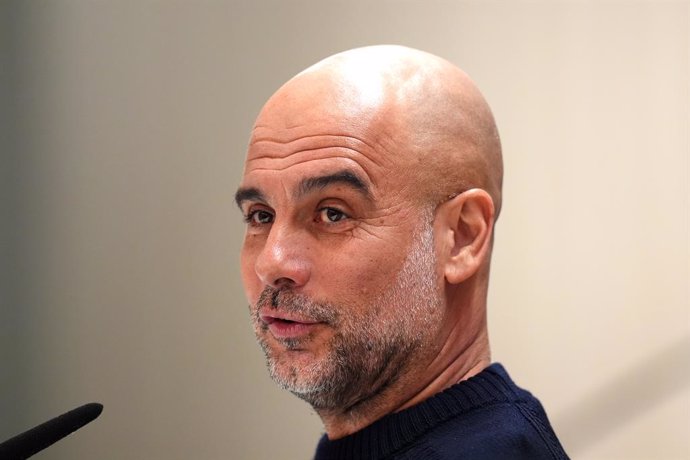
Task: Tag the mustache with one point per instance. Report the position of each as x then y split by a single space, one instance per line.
288 301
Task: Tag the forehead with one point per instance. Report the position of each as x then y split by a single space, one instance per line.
316 124
287 146
315 147
312 162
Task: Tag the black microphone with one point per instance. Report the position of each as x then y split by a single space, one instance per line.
38 438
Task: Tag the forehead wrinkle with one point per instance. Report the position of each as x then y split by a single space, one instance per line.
269 156
326 135
321 141
298 158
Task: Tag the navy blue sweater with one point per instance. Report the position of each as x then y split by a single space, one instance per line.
484 417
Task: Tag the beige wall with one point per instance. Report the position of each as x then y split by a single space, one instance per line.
124 125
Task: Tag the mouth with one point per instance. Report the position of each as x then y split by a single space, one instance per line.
287 326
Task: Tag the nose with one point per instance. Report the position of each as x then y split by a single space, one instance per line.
283 261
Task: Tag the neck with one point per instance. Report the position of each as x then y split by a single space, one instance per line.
449 365
460 351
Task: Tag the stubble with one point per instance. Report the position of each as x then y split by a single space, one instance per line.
368 351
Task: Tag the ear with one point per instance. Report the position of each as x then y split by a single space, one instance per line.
464 226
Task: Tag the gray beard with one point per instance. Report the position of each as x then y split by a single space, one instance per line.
366 355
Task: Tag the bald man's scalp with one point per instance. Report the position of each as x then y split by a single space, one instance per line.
425 113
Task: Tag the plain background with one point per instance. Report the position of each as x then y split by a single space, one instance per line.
124 126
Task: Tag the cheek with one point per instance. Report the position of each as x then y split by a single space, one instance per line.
360 275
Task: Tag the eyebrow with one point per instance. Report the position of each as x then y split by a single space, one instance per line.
344 177
308 185
248 194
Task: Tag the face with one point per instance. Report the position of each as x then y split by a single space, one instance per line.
337 262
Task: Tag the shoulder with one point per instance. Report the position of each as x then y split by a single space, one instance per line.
511 424
484 417
498 431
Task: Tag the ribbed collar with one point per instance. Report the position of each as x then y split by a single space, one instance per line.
395 431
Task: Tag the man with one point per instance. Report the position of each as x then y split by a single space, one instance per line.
370 191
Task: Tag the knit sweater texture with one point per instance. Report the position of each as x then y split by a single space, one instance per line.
484 417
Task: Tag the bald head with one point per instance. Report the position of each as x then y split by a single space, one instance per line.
345 164
427 117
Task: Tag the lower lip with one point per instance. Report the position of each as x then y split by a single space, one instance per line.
290 330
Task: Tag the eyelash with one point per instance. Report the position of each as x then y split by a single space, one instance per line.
249 217
341 214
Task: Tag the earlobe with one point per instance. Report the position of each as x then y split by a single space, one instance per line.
468 223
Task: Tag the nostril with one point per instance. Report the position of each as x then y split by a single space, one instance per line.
283 282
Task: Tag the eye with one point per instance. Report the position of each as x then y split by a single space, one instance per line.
332 215
259 217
